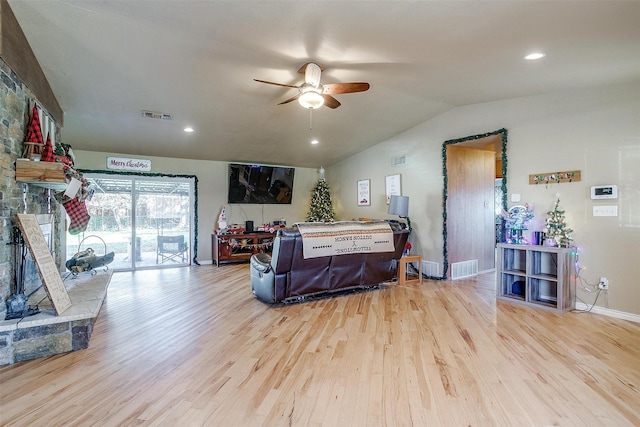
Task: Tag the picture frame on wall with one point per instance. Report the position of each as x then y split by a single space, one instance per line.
364 192
392 186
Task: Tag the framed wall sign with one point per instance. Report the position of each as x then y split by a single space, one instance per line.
392 186
127 164
364 192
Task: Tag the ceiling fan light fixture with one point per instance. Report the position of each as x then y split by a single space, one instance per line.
311 98
312 95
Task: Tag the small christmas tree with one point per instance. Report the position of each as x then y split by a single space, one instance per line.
556 228
321 207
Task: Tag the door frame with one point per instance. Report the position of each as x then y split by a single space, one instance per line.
143 175
503 134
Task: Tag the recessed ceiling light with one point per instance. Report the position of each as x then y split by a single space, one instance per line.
314 141
533 56
188 129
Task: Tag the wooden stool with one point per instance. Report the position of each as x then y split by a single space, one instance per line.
402 269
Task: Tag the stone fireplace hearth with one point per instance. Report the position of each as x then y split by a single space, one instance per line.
46 334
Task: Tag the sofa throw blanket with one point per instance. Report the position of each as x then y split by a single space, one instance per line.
345 237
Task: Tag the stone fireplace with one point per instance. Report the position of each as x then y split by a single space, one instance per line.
23 83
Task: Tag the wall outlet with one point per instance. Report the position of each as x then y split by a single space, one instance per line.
604 283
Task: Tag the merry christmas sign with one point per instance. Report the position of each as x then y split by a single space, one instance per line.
125 164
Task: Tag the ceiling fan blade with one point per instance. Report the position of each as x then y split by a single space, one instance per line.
330 101
337 88
276 84
293 98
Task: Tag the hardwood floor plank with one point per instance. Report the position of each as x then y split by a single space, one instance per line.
192 346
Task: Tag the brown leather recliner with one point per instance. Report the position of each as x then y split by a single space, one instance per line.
287 276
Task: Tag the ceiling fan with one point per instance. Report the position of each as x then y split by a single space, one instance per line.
314 95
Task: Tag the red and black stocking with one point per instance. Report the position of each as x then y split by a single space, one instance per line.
78 214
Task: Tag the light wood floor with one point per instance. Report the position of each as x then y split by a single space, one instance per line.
192 347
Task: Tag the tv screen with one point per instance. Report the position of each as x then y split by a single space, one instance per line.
260 184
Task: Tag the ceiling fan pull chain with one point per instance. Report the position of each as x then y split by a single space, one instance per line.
310 115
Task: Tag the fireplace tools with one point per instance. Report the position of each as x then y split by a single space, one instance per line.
17 303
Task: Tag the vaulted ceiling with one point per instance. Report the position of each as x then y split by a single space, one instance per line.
108 60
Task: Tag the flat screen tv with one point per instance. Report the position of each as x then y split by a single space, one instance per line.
260 184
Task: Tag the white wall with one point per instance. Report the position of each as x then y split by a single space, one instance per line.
595 130
213 184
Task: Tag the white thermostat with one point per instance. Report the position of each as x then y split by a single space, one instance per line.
604 192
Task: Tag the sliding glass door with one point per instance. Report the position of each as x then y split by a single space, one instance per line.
162 222
147 221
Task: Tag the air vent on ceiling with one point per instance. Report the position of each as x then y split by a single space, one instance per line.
398 160
156 115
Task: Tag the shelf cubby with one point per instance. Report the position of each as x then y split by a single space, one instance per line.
513 286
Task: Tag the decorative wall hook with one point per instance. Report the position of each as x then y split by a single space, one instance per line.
554 177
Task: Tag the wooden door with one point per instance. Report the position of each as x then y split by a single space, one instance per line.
471 206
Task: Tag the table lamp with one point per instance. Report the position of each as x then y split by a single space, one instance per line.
399 205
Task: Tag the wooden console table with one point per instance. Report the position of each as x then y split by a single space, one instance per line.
228 248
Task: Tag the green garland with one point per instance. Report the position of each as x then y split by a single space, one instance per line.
167 175
503 132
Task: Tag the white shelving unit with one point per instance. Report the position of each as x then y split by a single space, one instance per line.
538 276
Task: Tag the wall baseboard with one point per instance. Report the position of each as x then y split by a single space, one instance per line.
609 312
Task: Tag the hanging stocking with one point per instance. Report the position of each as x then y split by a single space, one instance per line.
78 214
47 151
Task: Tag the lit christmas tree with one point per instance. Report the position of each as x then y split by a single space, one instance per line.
321 207
556 228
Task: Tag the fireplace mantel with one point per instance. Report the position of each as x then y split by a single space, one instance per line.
43 174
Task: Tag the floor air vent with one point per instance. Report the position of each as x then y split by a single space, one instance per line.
463 269
431 269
